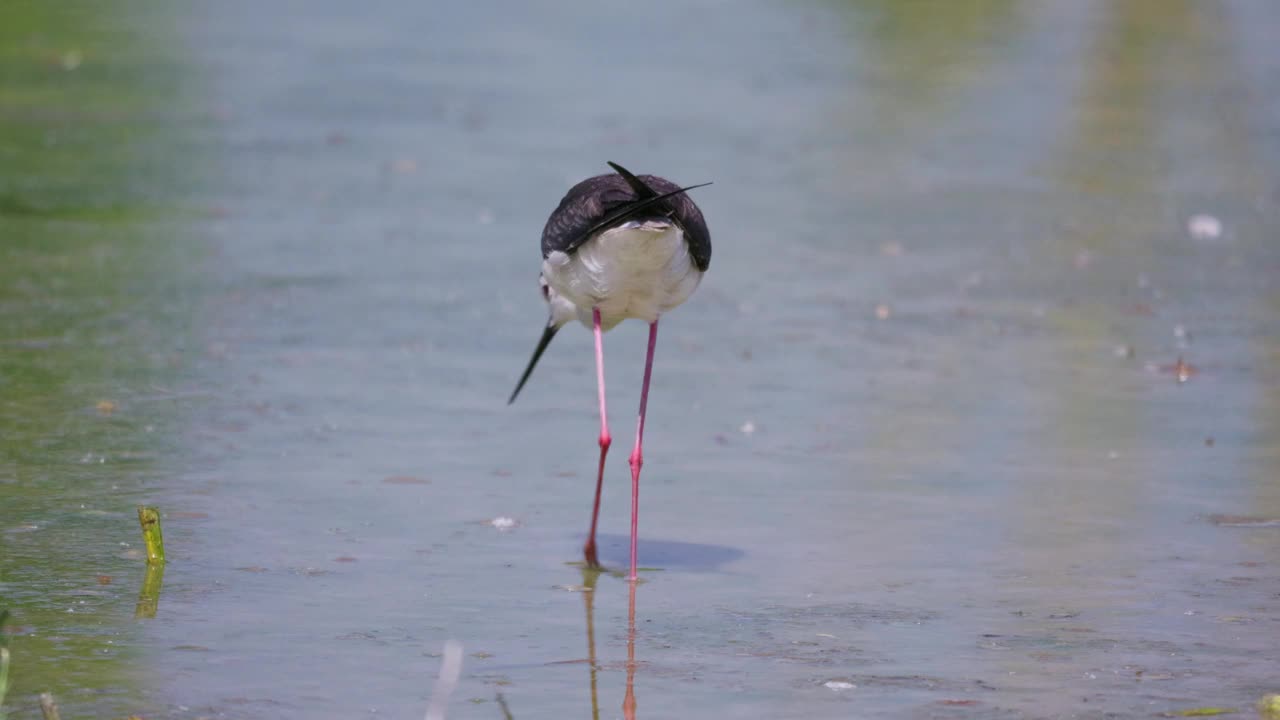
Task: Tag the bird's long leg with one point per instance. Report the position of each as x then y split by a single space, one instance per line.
589 550
637 455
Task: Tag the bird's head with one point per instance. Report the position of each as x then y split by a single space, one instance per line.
560 310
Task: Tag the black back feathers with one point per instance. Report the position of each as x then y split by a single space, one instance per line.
603 201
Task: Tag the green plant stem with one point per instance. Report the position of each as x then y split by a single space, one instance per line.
149 518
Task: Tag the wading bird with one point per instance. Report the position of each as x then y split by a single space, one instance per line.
619 246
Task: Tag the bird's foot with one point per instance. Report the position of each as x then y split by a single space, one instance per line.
589 556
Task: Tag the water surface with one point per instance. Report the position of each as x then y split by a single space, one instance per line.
916 448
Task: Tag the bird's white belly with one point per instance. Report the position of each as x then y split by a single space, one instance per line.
637 270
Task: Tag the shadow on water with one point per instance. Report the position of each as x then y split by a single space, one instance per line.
672 555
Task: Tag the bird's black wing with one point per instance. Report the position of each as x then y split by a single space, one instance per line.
687 215
582 208
598 202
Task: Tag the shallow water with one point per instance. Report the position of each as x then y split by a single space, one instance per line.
917 447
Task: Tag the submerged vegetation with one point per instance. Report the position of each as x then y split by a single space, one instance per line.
91 318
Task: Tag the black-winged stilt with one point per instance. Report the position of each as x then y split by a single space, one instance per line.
619 246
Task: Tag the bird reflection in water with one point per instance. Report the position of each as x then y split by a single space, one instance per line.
589 578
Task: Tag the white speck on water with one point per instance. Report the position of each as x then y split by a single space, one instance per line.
1204 227
573 588
504 523
747 428
72 59
1182 336
839 685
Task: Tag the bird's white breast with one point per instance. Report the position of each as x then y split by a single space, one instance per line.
636 270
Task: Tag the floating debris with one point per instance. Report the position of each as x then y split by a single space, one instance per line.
405 480
839 685
504 523
71 60
1244 521
747 428
4 657
1202 712
1204 227
574 588
1182 371
403 166
49 708
1183 336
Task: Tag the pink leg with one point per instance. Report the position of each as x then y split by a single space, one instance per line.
637 455
589 550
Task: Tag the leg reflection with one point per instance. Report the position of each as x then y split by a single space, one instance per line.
589 577
629 700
